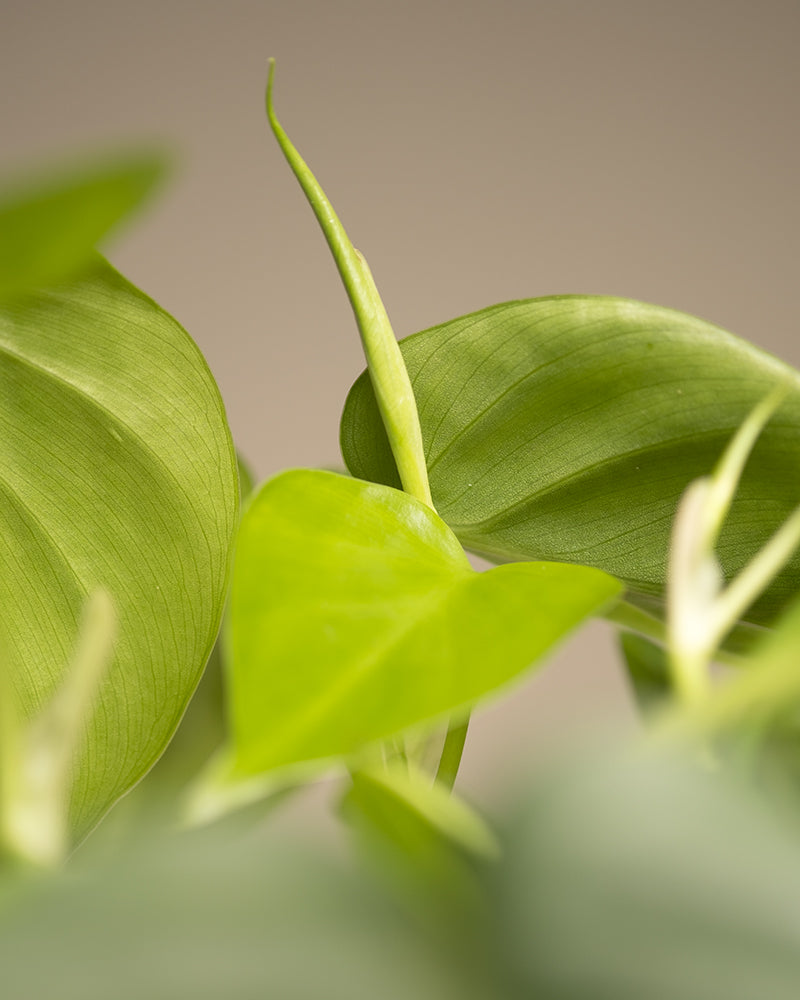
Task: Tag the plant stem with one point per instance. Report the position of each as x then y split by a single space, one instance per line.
628 616
387 369
451 753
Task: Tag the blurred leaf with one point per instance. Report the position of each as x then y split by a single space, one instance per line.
420 831
648 671
49 229
219 916
623 877
630 877
567 428
355 615
769 687
118 473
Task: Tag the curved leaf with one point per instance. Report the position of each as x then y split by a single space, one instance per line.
567 428
354 615
49 229
117 472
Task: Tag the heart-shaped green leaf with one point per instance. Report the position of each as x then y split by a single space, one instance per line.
567 428
355 615
118 473
49 229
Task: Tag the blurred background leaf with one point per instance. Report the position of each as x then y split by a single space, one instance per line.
49 226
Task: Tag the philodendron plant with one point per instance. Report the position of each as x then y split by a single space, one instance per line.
614 459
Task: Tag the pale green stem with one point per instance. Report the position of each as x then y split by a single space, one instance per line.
759 688
387 369
729 469
756 575
693 581
38 779
699 611
633 619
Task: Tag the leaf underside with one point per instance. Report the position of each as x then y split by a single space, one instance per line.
567 428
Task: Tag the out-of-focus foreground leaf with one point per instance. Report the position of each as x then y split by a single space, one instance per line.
622 877
212 917
632 877
118 473
426 837
567 428
354 615
49 229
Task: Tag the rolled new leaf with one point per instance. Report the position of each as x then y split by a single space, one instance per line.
568 427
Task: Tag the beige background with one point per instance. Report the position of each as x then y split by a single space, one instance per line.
476 151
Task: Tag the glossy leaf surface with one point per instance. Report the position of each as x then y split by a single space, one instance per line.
567 428
355 614
118 473
49 229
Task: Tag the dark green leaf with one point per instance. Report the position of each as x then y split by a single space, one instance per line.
648 671
567 428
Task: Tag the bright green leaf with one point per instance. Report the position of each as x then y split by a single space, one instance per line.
118 473
568 427
49 229
355 614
